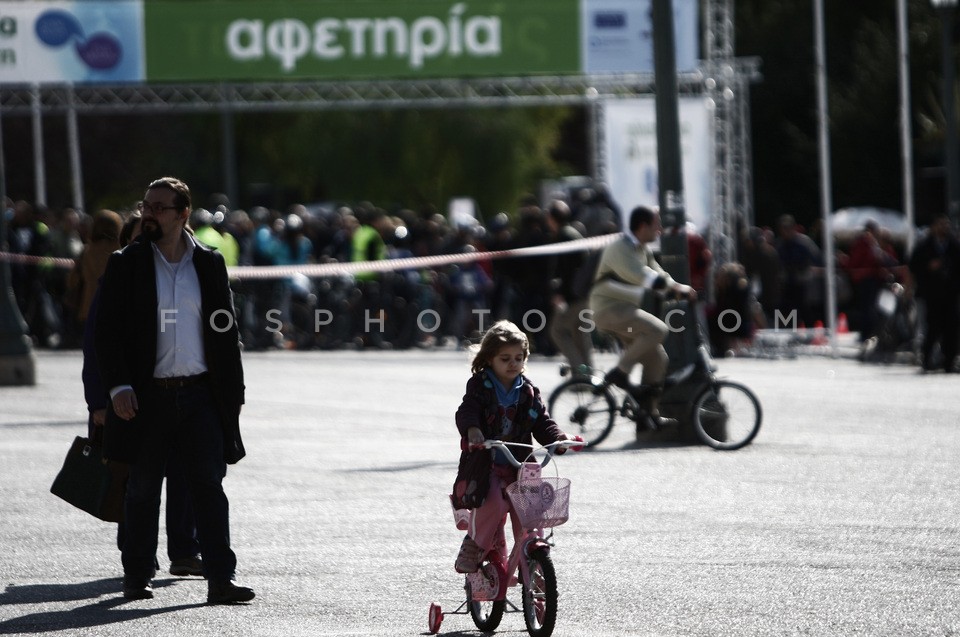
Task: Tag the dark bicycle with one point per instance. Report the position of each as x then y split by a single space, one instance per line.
722 414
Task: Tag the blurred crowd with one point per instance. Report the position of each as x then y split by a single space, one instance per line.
777 281
397 308
900 304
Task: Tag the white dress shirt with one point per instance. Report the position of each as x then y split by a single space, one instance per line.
179 316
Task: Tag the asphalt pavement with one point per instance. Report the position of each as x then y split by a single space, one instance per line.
840 519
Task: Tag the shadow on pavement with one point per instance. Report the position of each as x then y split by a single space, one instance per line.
397 468
100 613
81 425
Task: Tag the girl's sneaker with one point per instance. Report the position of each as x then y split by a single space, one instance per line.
468 559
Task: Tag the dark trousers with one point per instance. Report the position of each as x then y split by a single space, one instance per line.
183 424
942 320
181 525
866 292
182 539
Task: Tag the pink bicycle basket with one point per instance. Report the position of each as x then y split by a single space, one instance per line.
542 502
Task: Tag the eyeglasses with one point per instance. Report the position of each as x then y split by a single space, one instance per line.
154 208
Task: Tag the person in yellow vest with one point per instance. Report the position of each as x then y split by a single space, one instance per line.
204 224
230 248
367 241
368 245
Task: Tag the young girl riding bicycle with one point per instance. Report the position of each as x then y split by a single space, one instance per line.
500 403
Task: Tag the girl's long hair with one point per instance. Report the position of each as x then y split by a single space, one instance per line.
500 334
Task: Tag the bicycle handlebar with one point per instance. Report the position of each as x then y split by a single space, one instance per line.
549 448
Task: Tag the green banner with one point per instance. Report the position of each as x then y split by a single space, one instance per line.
363 39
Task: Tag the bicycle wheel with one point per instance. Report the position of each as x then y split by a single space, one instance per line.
582 408
540 595
487 614
726 415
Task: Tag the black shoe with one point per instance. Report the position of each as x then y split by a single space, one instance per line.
186 566
646 422
136 588
665 422
616 376
228 593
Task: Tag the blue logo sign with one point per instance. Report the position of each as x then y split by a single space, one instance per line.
610 20
101 51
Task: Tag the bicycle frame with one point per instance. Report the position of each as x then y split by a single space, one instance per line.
516 569
546 505
529 539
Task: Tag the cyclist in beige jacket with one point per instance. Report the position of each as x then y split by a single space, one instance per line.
626 272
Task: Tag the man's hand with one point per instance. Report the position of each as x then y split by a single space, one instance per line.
125 404
685 291
99 416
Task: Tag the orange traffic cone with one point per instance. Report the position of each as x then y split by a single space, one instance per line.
842 326
819 337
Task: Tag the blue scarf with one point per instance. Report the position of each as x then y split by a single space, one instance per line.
504 397
507 399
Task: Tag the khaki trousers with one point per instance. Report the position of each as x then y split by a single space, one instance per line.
572 336
642 335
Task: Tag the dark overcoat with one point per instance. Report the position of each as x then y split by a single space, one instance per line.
126 343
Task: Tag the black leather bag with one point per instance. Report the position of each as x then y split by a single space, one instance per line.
90 483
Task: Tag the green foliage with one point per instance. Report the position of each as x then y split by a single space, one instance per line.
411 158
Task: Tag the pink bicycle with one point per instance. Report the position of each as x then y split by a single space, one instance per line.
539 503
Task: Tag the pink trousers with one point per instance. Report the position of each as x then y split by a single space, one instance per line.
487 521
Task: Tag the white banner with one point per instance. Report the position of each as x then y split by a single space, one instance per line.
617 35
630 152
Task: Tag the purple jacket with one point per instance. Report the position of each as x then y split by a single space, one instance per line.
480 409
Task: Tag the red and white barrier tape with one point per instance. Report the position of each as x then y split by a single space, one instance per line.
28 259
336 269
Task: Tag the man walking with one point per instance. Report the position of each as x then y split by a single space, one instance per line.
935 266
572 277
168 349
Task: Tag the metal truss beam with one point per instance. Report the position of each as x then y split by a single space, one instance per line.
294 96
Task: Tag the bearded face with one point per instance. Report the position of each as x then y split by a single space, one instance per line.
151 230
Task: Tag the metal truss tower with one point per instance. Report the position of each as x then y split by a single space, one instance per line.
727 86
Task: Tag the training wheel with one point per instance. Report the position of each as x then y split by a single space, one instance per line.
435 618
